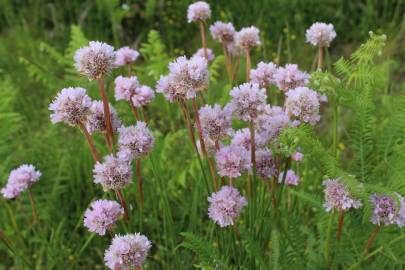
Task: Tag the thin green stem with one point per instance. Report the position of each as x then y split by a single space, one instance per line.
335 128
34 208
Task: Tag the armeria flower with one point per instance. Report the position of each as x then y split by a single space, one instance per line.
143 95
270 124
387 211
302 103
125 56
290 77
95 60
96 122
225 206
265 164
320 34
19 180
338 197
223 32
71 106
127 252
248 101
232 161
210 147
297 156
125 87
248 37
114 173
198 11
291 179
200 53
215 122
102 215
242 138
134 141
263 75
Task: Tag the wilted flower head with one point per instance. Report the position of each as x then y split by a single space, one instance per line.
297 156
225 206
215 122
114 173
95 60
338 197
127 252
232 161
134 141
125 87
96 122
19 180
290 77
387 211
291 179
265 164
198 11
200 53
125 56
302 103
223 32
320 34
143 95
263 75
270 124
248 37
71 106
102 215
248 101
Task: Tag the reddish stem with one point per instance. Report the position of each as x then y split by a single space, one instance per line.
340 228
107 115
34 208
123 204
90 142
198 124
144 115
248 64
133 109
203 40
371 239
139 176
320 57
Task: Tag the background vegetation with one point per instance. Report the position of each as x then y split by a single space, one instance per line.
37 42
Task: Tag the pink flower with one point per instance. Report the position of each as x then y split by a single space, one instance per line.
96 122
263 75
265 164
114 173
200 53
125 56
135 141
248 37
224 33
102 215
338 197
125 87
270 124
198 11
297 156
320 34
232 161
143 95
215 122
290 77
302 103
19 180
291 178
248 101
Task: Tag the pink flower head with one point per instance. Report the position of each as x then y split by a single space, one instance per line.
127 252
248 101
135 141
96 122
225 206
291 178
248 37
209 147
265 164
198 11
19 180
263 75
200 53
125 87
302 103
242 138
297 156
290 77
387 211
232 161
114 173
95 60
72 106
102 215
143 95
125 56
215 122
338 197
320 34
223 32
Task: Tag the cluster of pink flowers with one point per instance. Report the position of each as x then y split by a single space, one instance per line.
320 34
263 75
19 180
248 37
232 161
224 33
198 11
302 103
125 56
265 163
338 197
215 122
129 89
134 141
387 211
200 53
102 215
291 179
96 121
114 173
290 77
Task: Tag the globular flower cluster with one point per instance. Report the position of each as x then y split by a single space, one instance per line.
143 95
95 60
125 87
338 197
200 53
134 141
102 215
248 37
114 173
224 33
290 77
198 11
71 106
215 122
125 56
302 103
96 121
297 156
265 163
186 77
127 252
242 138
271 122
291 179
232 161
248 101
226 206
387 211
320 34
263 75
19 180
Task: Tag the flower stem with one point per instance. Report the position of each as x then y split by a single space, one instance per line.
228 60
144 115
139 176
133 109
107 115
340 228
34 208
253 147
335 128
123 204
371 239
203 40
320 57
198 124
327 241
236 70
248 64
90 142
